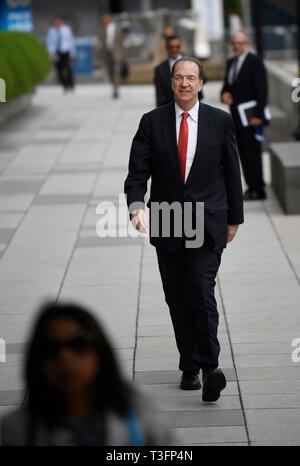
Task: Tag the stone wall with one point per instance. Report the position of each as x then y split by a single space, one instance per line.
280 95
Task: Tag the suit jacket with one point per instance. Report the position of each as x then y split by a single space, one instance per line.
117 51
214 177
251 84
162 82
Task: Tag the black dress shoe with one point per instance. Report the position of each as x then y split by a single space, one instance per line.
190 381
255 196
214 382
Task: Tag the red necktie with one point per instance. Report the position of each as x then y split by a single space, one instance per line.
183 143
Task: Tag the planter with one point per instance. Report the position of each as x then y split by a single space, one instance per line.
15 106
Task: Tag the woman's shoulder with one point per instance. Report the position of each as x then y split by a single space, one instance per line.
153 423
13 427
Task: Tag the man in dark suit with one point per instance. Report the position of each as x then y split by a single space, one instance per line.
245 81
189 151
162 72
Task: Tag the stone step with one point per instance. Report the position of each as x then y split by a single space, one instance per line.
285 166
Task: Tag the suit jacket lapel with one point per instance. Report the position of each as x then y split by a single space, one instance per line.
170 139
229 65
243 68
167 75
167 71
202 141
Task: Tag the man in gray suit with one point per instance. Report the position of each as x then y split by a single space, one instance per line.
111 40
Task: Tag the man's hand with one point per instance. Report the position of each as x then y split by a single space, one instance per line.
227 98
256 122
139 220
231 232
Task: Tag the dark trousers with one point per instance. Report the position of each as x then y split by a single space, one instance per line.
114 71
64 70
188 278
251 158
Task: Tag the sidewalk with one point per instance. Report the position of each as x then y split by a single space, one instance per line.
57 162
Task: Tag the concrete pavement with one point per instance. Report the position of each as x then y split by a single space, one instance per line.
57 163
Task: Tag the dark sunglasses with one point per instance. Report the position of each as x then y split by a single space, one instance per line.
51 348
174 46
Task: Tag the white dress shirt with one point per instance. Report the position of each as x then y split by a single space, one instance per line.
61 40
241 60
172 61
192 121
110 35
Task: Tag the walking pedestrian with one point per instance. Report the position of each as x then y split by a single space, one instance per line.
61 46
246 83
111 42
189 150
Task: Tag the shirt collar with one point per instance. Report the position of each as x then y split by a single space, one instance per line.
111 26
194 112
244 54
172 60
175 59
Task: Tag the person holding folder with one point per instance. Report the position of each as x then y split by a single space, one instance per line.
245 90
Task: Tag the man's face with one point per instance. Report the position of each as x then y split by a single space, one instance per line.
174 48
239 45
186 83
58 22
106 19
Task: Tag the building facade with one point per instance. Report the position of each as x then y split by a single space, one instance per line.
85 20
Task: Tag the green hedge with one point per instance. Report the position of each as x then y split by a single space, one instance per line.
24 62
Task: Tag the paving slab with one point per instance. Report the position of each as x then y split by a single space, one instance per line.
270 387
194 403
211 435
206 418
169 377
274 434
57 163
173 390
272 401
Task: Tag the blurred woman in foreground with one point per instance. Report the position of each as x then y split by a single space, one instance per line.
75 393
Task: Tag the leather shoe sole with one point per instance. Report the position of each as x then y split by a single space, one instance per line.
213 384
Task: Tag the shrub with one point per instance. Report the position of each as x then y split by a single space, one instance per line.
24 62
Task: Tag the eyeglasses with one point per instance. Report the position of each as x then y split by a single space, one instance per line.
190 79
51 347
174 46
